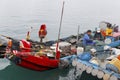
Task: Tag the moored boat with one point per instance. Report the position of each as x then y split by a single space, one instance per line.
33 62
39 59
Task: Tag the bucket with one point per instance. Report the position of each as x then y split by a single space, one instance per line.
80 50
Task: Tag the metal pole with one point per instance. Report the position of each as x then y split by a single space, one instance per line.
78 35
60 26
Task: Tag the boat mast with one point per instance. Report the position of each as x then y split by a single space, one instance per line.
60 26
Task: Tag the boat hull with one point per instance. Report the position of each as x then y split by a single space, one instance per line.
34 63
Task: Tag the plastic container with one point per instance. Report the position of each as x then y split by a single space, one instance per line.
80 50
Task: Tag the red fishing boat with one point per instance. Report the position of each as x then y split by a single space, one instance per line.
26 57
33 62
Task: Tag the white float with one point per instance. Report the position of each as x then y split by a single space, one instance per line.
84 67
94 72
106 77
79 65
113 77
100 74
89 69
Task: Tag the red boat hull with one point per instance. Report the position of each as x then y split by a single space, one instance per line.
35 63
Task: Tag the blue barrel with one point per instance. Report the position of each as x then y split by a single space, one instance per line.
85 56
114 44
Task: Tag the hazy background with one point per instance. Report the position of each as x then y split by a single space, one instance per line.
17 16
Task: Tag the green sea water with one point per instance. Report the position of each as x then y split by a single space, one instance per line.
10 71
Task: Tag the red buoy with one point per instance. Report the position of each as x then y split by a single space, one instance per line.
42 32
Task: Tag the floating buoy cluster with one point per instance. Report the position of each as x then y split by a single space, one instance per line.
100 73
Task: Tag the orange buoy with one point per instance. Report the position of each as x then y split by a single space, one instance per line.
9 43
